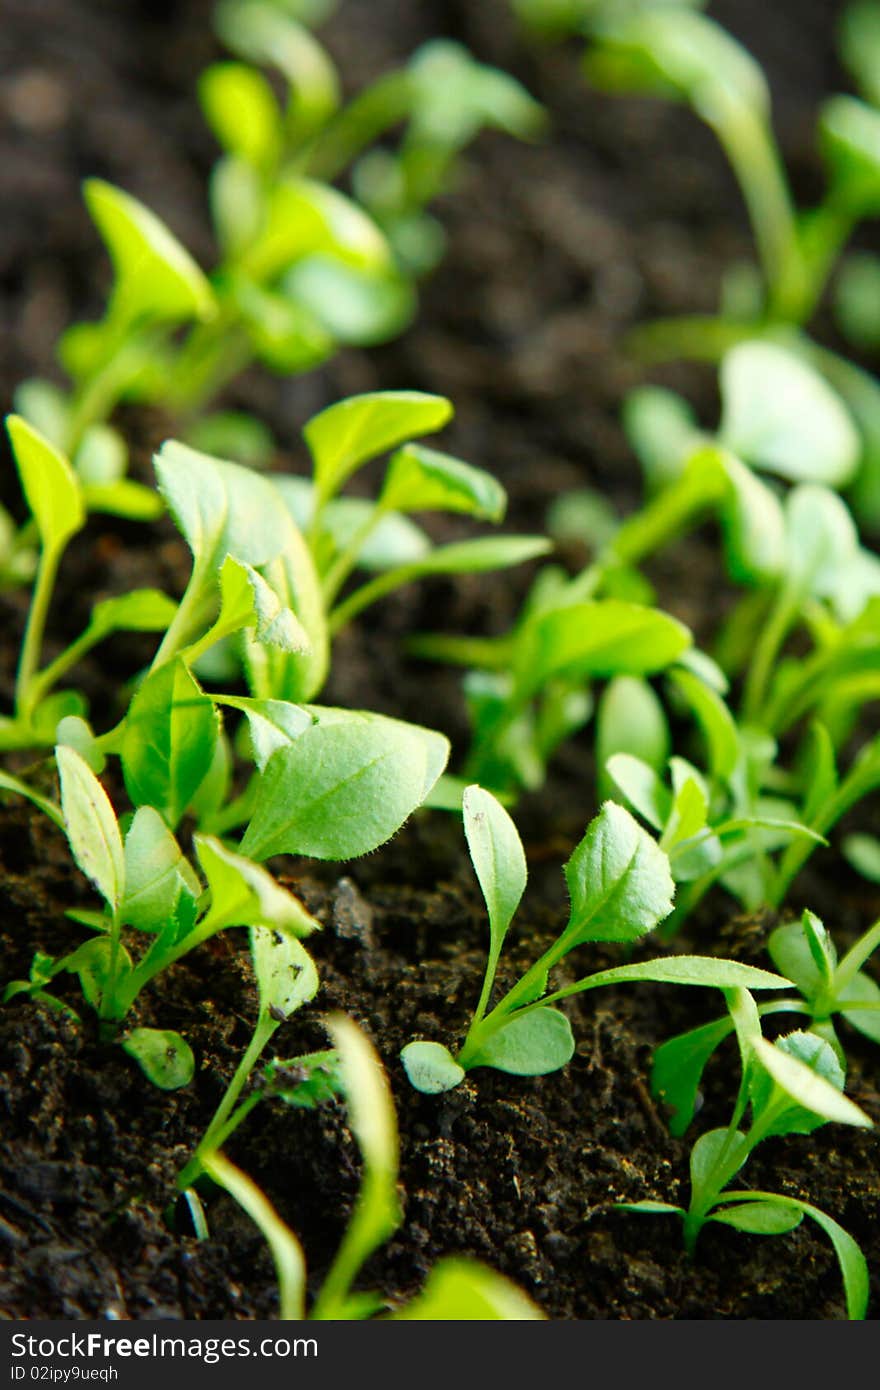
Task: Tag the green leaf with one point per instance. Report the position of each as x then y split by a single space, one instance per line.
642 788
273 724
352 431
678 970
49 483
793 952
155 277
141 610
849 131
356 780
459 1290
823 540
863 853
244 895
395 539
478 556
714 718
92 963
618 879
304 218
631 720
605 637
352 305
861 989
102 456
421 479
530 1044
498 859
275 674
662 429
285 973
129 500
242 111
431 1067
74 732
221 508
859 37
164 1057
717 1147
247 601
805 1069
156 873
91 826
759 1218
234 435
650 1208
45 406
753 522
168 741
678 1067
780 414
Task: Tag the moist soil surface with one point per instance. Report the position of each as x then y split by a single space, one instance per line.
626 212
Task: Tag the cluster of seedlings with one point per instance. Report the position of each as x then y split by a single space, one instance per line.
727 769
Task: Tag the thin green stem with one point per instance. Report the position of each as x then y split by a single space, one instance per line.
218 1130
345 562
770 639
32 645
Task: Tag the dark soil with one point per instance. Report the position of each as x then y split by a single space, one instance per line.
554 252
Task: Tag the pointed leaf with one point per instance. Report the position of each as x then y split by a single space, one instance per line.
618 879
168 741
498 858
360 428
91 826
286 974
421 479
49 483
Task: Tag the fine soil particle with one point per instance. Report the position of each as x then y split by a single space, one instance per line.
628 211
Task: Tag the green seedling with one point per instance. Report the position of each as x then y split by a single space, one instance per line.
793 1086
304 268
58 502
150 888
828 989
620 886
667 51
455 1289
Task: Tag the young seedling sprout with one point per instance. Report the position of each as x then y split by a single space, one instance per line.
828 990
455 1289
792 1087
620 887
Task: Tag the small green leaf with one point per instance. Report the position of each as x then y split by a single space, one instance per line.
221 508
356 781
244 895
717 1147
155 277
74 732
127 499
662 429
861 989
165 1057
247 601
714 718
863 853
242 111
753 522
273 724
780 415
805 953
168 741
678 1068
823 540
91 826
631 720
352 431
141 610
531 1044
431 1067
850 137
285 972
602 638
102 456
421 479
642 788
759 1218
49 483
156 873
679 970
619 880
498 858
459 1290
805 1069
